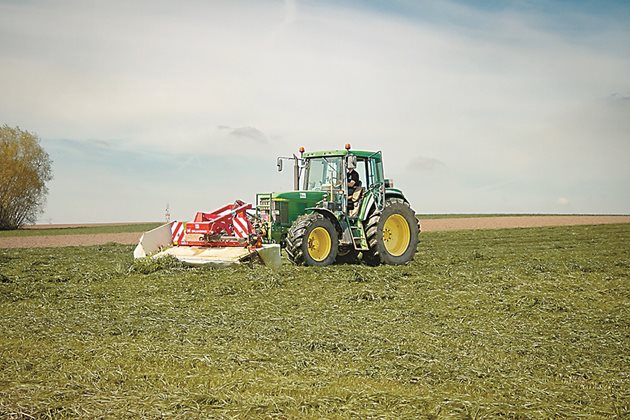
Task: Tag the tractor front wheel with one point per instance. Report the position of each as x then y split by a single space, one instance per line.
392 234
312 240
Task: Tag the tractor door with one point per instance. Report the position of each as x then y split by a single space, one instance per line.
374 184
327 174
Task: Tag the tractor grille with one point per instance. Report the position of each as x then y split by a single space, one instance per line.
280 211
263 201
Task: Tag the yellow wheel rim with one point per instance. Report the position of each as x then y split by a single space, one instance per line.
396 235
319 244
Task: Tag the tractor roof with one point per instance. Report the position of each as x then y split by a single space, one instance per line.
358 153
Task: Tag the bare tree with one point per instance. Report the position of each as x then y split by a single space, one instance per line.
25 167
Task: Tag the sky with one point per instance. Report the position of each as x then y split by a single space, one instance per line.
478 107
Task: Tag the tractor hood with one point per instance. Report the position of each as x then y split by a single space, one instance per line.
284 207
299 196
290 204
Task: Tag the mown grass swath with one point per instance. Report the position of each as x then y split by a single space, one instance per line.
524 323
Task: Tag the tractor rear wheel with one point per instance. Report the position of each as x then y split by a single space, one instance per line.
312 240
392 234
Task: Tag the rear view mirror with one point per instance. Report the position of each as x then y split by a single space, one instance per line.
279 164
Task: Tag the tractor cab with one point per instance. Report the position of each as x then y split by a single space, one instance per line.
328 172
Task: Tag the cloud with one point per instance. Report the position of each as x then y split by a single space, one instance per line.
620 97
422 163
248 133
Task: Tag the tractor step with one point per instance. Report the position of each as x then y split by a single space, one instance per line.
358 237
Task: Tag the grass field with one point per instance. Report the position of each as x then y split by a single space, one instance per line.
82 230
523 323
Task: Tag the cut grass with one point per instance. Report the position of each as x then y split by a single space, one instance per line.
81 230
520 323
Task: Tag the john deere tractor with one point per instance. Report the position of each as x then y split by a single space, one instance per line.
321 223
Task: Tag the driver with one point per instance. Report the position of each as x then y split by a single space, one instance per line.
353 180
354 189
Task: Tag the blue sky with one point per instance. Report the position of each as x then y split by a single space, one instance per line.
501 106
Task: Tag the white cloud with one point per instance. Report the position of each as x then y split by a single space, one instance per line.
423 163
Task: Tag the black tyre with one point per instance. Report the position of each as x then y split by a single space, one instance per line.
312 240
392 234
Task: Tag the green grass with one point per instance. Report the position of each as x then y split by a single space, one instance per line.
524 323
82 230
464 215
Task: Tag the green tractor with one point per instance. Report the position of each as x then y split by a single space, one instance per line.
326 222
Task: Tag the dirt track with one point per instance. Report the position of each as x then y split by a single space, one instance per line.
429 225
506 222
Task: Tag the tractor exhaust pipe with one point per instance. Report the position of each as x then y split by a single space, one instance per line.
296 173
296 168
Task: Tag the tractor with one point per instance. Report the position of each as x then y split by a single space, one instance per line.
321 222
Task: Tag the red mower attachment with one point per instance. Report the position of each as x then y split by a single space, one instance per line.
224 236
227 226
